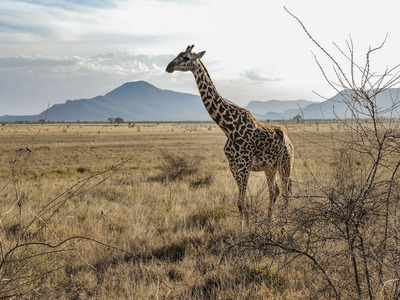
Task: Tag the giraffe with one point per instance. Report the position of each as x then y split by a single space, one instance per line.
251 145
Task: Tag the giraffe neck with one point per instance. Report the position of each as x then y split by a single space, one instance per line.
220 110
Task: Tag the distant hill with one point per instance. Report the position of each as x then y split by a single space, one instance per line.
335 106
276 106
141 101
329 109
268 116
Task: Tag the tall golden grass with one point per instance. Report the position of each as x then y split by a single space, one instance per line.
143 212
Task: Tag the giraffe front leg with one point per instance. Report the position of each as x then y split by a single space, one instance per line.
240 172
243 206
240 164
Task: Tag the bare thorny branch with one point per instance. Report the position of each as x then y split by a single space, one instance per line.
347 227
21 262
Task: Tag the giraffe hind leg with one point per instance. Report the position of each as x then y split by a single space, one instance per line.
285 170
273 190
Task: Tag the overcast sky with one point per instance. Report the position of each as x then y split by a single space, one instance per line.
57 50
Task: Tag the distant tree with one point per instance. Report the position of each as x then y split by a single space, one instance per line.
298 119
119 120
111 120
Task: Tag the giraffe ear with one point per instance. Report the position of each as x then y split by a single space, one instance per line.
201 54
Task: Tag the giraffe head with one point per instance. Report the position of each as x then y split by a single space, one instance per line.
185 61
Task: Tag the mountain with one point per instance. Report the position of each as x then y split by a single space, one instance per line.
268 116
335 106
329 109
141 101
276 106
133 101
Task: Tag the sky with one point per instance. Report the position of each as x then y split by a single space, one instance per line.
57 50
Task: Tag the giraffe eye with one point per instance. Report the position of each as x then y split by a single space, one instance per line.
185 58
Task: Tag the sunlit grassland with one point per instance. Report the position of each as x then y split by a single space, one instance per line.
156 237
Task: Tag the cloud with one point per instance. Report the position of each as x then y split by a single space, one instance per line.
70 4
258 76
113 63
30 27
64 27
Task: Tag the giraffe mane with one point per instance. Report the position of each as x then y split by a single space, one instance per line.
230 104
205 69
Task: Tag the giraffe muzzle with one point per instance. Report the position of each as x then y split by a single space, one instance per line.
170 68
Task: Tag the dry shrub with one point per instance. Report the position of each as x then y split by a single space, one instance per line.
176 167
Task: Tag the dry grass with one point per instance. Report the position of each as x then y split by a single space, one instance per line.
162 231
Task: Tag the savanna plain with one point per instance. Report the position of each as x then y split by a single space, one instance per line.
148 211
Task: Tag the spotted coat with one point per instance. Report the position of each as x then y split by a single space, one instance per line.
251 145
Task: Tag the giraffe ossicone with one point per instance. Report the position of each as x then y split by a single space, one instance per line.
251 145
